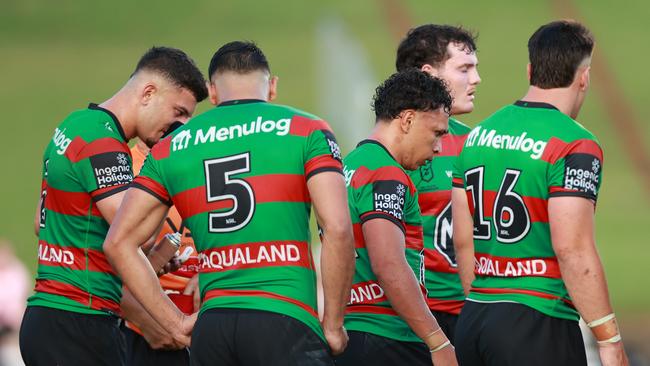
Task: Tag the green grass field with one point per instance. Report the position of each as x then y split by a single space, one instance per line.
58 56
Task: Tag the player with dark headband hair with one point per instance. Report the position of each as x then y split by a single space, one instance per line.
447 52
73 316
524 199
387 316
250 172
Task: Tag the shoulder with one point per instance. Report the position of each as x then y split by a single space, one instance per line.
457 127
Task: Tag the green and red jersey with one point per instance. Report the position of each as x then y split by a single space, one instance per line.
237 175
88 159
511 164
378 187
433 183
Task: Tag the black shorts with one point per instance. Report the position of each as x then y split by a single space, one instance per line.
514 334
245 337
57 337
447 322
370 349
139 353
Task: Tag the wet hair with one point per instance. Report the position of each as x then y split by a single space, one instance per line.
241 57
410 89
555 52
177 67
427 44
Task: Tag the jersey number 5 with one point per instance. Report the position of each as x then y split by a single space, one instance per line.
221 186
509 214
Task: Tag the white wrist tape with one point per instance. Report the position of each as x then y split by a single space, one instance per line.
601 321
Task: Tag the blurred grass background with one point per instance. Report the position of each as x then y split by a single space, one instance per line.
57 56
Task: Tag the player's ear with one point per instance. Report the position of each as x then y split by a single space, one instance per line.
429 70
529 70
148 92
212 93
406 120
273 88
584 78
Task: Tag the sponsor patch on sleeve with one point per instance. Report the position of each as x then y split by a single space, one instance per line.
111 169
582 173
333 145
389 196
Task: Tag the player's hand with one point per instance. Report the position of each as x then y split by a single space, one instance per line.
173 265
192 288
183 333
158 338
445 357
337 338
613 354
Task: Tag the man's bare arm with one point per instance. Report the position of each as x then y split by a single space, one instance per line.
136 221
153 333
572 232
329 196
463 237
385 243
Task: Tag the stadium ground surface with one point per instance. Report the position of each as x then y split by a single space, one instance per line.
57 57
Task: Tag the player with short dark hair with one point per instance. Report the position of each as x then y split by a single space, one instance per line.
524 198
387 316
449 53
73 316
243 176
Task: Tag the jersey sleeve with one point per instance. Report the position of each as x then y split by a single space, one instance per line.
150 180
103 167
458 172
576 168
383 193
322 153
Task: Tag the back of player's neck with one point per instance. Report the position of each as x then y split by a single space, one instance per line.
560 98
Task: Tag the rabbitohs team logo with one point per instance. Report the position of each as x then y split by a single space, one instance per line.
426 173
121 158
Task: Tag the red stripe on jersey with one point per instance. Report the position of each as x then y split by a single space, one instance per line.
445 306
557 149
434 261
363 176
303 126
451 145
267 188
74 149
322 161
537 207
43 184
359 240
413 237
70 203
73 258
432 203
100 146
255 255
76 294
493 266
457 182
162 149
371 309
154 186
368 292
543 295
279 188
211 294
